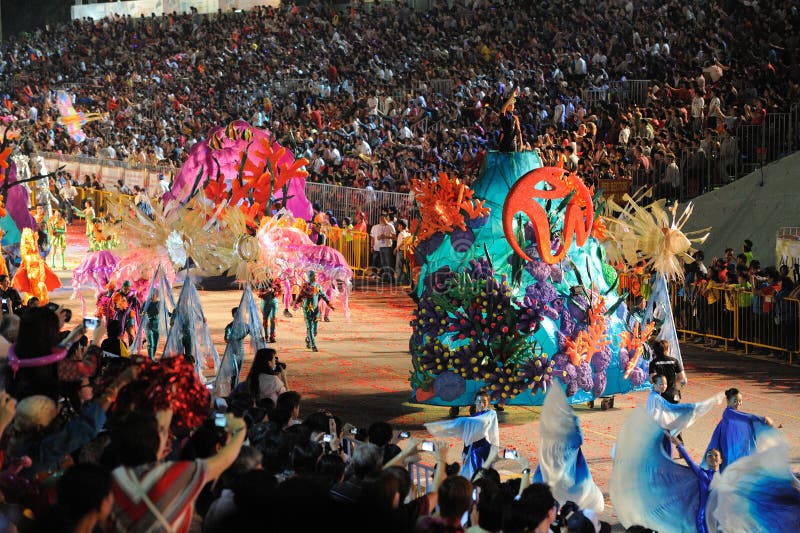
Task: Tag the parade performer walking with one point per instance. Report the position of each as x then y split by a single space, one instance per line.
310 294
151 316
737 433
58 237
88 215
33 277
270 293
234 335
125 309
479 433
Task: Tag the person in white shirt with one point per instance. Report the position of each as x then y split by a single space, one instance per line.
363 147
400 262
382 234
698 111
264 380
624 133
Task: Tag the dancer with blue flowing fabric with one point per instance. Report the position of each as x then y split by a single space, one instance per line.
479 433
647 487
758 493
561 462
675 417
737 433
713 459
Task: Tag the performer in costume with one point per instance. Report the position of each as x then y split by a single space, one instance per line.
151 314
647 488
105 303
88 215
510 131
737 433
33 277
308 298
58 239
234 335
704 476
561 462
270 291
479 432
674 417
126 306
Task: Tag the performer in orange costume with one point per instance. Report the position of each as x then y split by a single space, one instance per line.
34 277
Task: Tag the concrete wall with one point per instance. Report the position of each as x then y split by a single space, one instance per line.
753 207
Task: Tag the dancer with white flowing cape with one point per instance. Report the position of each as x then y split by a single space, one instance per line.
561 462
479 433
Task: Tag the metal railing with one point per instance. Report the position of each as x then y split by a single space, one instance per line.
347 201
421 478
623 92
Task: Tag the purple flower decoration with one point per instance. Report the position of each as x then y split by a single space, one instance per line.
624 357
538 373
567 323
556 274
539 270
584 376
578 304
600 381
543 292
462 240
637 377
480 269
475 223
448 386
601 360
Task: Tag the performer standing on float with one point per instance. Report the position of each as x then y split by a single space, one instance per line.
510 130
310 294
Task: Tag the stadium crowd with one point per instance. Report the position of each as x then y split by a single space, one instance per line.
360 83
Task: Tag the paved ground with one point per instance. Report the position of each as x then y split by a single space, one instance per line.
362 367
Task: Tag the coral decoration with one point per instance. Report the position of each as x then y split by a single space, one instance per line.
634 341
4 155
591 340
558 185
171 383
652 233
441 203
265 167
2 206
599 230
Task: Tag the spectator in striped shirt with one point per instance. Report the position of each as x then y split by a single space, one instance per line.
152 494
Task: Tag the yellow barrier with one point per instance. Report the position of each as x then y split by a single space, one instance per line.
354 246
724 314
101 199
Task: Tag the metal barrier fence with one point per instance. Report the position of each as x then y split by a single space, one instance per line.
622 92
347 201
726 315
421 478
108 171
421 475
